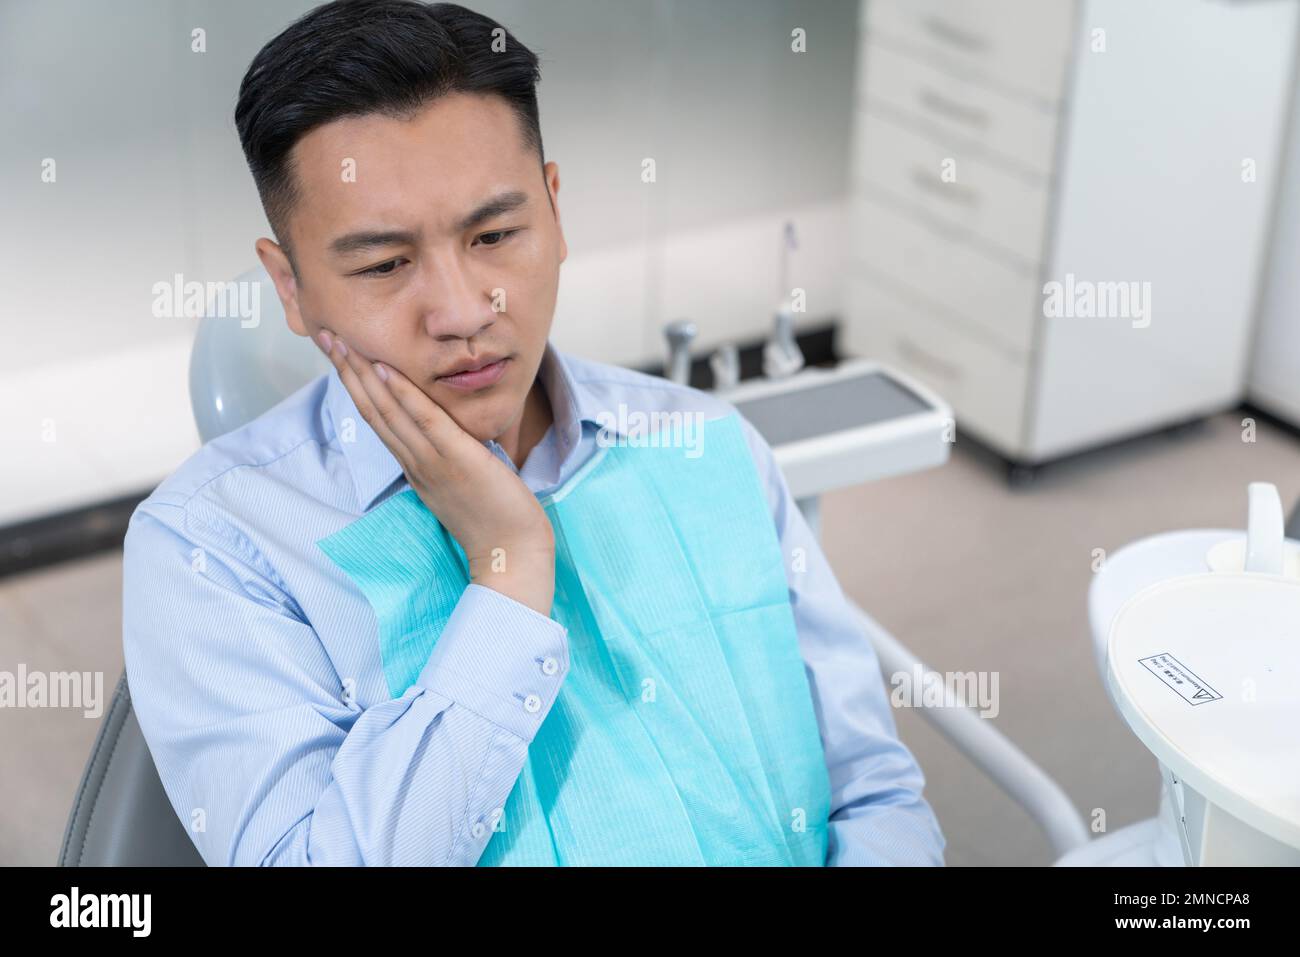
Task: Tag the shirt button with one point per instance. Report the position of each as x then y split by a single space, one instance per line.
532 704
550 666
478 830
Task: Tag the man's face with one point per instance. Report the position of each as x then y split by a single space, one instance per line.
422 297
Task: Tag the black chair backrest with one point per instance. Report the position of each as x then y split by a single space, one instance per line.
121 816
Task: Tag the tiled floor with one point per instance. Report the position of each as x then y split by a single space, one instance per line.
970 574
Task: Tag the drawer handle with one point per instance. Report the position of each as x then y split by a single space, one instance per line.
948 32
917 356
938 103
952 192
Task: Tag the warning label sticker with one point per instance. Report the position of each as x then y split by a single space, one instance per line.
1181 678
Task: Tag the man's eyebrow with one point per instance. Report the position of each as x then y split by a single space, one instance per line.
372 238
496 206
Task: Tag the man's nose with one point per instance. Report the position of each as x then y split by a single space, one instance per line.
455 305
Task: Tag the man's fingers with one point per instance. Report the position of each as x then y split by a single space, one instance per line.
427 415
424 422
350 380
411 415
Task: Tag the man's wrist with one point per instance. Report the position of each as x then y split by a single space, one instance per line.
534 589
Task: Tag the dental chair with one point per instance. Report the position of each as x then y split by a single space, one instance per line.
121 814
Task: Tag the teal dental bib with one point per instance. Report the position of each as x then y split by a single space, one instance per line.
684 732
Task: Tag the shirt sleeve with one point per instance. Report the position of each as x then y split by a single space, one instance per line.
878 814
260 746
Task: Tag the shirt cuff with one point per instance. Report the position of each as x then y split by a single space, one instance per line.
500 659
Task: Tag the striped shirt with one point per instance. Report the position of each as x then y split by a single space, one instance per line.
256 677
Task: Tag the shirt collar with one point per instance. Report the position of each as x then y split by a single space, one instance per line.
374 468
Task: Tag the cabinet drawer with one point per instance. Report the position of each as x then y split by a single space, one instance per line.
991 202
985 386
1000 300
1023 45
1010 129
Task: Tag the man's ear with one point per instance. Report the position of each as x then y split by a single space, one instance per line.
286 284
552 178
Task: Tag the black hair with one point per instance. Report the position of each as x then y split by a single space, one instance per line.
356 57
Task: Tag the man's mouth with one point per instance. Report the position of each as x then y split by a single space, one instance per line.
479 375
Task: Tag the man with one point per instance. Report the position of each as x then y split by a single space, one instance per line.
440 606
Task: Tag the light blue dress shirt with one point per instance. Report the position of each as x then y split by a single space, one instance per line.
255 671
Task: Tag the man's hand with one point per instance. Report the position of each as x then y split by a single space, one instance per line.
485 506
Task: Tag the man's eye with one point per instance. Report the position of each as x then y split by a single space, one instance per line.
383 269
502 234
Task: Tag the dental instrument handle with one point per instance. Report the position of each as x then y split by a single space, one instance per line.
1264 529
725 364
788 242
680 333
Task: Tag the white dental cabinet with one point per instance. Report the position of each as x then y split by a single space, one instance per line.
1275 371
1127 151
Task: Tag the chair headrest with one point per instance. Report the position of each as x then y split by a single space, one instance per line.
245 358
